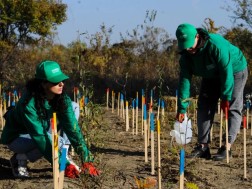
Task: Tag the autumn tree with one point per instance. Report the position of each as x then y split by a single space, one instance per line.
23 23
242 10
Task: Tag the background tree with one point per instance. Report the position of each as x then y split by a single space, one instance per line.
242 12
26 22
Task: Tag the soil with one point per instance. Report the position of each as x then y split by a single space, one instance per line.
120 157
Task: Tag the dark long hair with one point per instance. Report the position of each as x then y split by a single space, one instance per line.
35 90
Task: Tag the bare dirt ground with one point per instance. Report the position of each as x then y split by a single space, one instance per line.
120 156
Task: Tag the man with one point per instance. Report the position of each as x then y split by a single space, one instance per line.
223 69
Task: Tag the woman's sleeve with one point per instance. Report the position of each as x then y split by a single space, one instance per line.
69 124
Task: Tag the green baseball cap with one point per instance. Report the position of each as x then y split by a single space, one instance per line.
185 34
50 71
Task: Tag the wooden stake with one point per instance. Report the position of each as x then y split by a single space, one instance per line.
162 111
221 121
158 108
118 104
219 109
181 169
113 101
133 116
159 155
227 150
127 116
62 167
107 98
152 144
145 134
143 102
55 149
244 146
137 113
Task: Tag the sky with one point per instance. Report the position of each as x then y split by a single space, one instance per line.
124 15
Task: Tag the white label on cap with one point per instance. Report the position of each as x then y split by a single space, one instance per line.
55 70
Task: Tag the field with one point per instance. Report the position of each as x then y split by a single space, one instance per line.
120 157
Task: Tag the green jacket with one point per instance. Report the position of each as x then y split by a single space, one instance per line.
218 58
23 119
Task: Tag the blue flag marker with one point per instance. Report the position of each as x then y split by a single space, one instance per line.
121 97
133 103
136 102
86 100
145 112
63 159
142 92
247 105
162 104
182 161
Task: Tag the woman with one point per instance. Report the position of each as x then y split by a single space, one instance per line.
26 131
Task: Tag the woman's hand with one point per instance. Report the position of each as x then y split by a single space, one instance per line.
89 168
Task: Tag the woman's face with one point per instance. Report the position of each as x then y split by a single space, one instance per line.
51 89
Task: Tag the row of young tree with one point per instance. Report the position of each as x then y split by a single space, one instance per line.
146 57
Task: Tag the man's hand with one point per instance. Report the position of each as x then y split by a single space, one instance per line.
71 171
180 117
224 105
90 169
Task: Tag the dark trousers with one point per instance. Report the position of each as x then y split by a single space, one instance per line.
207 103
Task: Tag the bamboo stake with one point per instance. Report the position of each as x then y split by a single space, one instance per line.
86 107
123 111
118 104
221 121
148 126
137 113
143 102
227 153
121 102
133 116
150 111
162 111
159 155
9 99
181 169
113 101
145 134
158 109
248 105
4 107
55 149
244 146
219 109
107 98
62 167
152 144
127 116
